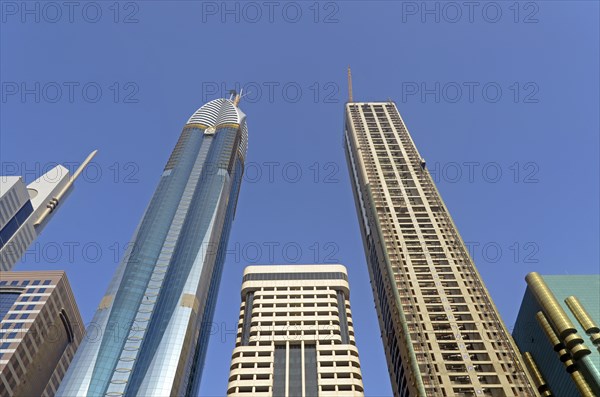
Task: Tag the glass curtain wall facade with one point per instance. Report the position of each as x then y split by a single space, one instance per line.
441 331
149 335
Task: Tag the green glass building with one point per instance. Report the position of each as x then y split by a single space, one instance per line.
557 332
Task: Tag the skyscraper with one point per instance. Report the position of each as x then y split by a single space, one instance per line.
26 210
441 332
152 324
557 331
40 329
295 334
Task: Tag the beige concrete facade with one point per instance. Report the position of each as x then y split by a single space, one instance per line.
295 334
441 331
40 330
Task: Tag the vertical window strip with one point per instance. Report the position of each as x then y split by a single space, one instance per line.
295 377
279 389
247 318
343 319
310 371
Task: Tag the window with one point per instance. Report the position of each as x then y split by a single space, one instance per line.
296 276
342 315
310 370
247 317
7 299
295 375
13 225
279 371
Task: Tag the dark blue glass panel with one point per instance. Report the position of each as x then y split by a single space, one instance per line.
13 225
7 300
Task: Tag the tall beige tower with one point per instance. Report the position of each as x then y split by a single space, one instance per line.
295 335
441 332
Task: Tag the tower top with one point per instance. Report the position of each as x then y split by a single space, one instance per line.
349 84
56 199
236 100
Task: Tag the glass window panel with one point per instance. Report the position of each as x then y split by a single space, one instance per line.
295 371
7 299
247 318
279 372
310 371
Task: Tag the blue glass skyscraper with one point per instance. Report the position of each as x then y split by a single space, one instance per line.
149 335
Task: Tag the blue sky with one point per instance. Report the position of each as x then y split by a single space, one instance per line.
502 101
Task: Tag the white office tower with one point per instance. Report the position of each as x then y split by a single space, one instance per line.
26 209
295 335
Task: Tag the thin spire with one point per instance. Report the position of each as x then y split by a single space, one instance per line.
56 199
349 84
236 101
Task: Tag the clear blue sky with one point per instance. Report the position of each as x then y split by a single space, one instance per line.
153 73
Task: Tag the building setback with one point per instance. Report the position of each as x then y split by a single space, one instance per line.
441 332
295 334
40 329
558 333
153 317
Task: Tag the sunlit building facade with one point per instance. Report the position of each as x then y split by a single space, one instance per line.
558 332
40 329
441 332
295 334
154 319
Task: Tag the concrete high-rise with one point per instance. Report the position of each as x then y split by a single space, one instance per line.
295 335
153 319
558 332
40 329
441 332
26 209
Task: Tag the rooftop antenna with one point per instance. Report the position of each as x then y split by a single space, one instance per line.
236 101
349 84
56 199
